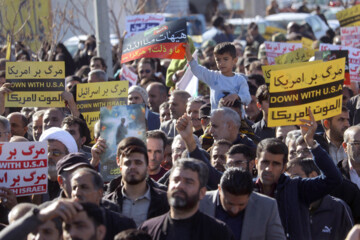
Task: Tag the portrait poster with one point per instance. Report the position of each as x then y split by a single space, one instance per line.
117 123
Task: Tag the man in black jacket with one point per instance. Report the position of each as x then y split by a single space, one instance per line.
184 220
136 198
294 195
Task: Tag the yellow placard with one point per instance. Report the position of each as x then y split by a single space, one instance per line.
305 76
286 116
91 118
90 97
267 69
35 84
293 90
35 70
349 17
299 55
102 90
269 31
30 99
307 43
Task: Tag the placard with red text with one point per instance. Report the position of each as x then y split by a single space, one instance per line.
24 167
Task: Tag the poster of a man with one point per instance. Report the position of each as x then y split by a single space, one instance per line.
117 123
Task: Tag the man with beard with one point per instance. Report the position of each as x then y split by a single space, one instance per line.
184 220
241 156
60 143
350 166
137 196
334 134
248 214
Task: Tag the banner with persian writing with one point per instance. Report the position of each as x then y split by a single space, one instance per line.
164 41
24 167
335 54
350 36
275 49
90 97
294 90
299 55
35 84
353 58
268 69
349 17
140 23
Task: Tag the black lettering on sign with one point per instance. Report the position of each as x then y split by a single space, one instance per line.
306 95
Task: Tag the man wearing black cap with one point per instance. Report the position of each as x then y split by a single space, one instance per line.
66 166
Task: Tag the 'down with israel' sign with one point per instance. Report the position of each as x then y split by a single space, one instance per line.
294 90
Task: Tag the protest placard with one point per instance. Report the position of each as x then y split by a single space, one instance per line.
35 84
268 69
117 123
128 75
270 31
164 41
140 23
350 36
354 58
294 90
275 49
23 167
90 97
307 43
299 55
336 54
349 17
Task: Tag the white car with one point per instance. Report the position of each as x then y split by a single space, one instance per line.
281 20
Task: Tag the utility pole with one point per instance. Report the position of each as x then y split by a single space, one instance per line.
103 33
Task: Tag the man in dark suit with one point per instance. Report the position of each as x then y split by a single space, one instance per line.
184 220
249 215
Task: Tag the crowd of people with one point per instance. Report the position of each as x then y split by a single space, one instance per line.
210 167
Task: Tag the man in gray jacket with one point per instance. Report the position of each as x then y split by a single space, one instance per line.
248 214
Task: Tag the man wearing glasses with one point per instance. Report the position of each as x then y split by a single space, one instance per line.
241 156
60 143
350 167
